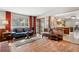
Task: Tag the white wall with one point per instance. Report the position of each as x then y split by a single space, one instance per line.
71 22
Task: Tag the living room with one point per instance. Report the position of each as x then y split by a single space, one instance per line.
39 29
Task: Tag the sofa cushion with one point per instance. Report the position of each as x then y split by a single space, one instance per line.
21 33
20 30
14 30
26 29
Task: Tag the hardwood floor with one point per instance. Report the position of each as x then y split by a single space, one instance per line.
47 45
44 45
4 47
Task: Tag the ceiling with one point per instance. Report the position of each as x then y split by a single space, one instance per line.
42 11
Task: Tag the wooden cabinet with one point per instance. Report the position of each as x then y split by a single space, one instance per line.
1 31
66 30
6 36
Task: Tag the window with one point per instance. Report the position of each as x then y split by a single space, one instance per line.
19 21
2 18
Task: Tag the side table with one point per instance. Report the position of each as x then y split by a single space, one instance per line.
6 36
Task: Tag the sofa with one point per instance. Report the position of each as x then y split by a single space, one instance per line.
21 32
54 34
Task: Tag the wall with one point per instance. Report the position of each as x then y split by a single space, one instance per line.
2 18
70 22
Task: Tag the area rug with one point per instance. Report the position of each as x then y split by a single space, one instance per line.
25 41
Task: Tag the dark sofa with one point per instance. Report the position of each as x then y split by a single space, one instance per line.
21 32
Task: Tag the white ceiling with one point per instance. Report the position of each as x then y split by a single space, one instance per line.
42 11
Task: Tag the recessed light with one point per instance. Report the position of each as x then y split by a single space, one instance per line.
73 17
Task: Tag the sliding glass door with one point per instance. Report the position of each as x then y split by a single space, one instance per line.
42 25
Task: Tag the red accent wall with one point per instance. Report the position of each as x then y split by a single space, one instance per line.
8 18
34 24
30 22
